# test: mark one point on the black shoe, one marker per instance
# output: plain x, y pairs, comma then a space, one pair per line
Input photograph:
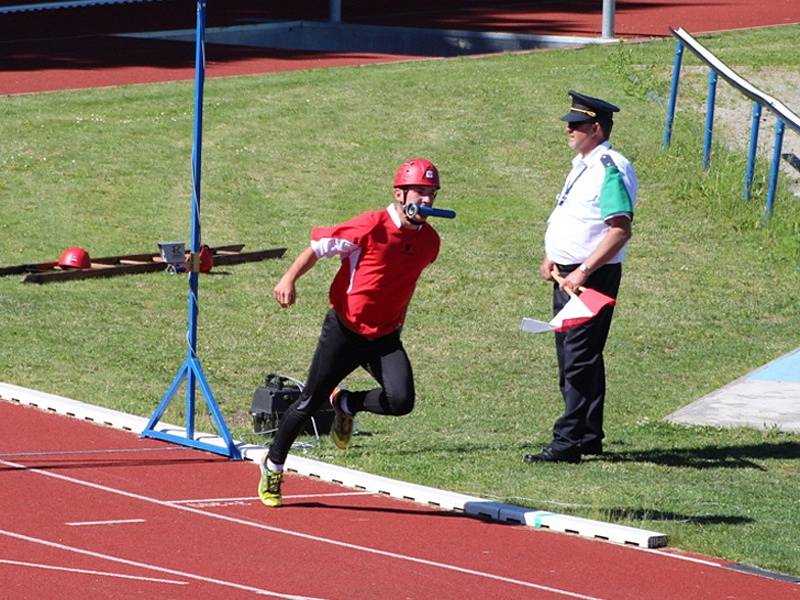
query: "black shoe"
595, 448
550, 455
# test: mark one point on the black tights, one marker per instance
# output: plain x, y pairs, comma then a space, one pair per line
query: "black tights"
339, 352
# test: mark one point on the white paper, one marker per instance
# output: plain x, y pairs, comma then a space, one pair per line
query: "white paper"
534, 326
574, 309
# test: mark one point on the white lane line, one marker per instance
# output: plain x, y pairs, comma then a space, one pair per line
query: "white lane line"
68, 452
134, 563
255, 498
298, 534
114, 522
20, 563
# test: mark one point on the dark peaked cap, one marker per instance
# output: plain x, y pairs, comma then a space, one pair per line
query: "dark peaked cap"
587, 109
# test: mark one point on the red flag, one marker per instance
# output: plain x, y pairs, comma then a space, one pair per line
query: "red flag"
593, 300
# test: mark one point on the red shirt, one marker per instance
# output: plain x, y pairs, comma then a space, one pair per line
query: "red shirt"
381, 263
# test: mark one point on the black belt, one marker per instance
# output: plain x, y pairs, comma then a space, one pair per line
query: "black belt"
567, 267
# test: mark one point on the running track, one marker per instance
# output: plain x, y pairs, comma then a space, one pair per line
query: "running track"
88, 511
61, 49
91, 512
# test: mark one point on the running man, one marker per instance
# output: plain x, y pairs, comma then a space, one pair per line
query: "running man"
383, 253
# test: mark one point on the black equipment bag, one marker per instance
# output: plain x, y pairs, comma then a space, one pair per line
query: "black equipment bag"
272, 400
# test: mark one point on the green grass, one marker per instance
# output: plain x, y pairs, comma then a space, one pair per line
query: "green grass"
709, 291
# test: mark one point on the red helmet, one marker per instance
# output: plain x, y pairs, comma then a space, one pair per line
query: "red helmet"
417, 171
75, 257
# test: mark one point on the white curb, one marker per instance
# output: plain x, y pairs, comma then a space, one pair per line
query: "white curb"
420, 494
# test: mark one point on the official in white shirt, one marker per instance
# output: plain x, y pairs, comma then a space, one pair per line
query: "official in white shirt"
585, 242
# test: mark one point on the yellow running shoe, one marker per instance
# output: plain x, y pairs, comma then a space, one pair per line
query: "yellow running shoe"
342, 429
269, 488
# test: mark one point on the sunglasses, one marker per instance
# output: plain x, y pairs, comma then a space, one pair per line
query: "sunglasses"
578, 124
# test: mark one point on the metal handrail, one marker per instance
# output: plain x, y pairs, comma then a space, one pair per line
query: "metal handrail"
737, 81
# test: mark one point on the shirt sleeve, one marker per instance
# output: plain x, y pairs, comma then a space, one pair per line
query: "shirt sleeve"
614, 197
343, 239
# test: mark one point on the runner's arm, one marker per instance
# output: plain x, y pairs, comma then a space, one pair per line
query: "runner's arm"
284, 291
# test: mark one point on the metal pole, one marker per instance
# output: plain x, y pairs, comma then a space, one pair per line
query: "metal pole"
191, 369
752, 149
673, 93
712, 94
609, 10
335, 15
773, 175
194, 279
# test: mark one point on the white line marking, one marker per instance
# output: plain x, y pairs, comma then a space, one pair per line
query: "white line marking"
350, 478
115, 522
66, 452
90, 572
134, 563
285, 497
683, 557
298, 534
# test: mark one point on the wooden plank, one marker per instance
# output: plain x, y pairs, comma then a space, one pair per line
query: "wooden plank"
109, 271
130, 267
27, 268
243, 257
156, 256
105, 260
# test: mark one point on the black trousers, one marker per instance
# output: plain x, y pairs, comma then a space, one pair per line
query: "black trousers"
581, 370
339, 352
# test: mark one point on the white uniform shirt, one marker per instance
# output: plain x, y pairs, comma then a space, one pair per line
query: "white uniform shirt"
600, 186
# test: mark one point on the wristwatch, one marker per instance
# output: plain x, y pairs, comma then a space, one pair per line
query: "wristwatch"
584, 268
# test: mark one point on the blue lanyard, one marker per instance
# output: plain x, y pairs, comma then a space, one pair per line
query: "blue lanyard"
562, 197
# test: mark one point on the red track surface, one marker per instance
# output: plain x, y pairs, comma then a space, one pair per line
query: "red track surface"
61, 49
92, 512
188, 524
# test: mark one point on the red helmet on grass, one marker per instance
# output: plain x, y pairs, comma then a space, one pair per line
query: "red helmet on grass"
417, 171
75, 257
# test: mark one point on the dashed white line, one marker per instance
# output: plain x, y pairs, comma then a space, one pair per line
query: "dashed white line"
114, 522
297, 534
134, 563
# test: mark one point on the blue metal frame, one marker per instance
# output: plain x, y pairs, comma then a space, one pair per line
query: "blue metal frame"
785, 117
673, 94
710, 104
191, 371
752, 150
776, 160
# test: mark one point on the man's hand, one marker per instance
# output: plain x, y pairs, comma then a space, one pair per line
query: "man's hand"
285, 293
546, 269
574, 280
571, 282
